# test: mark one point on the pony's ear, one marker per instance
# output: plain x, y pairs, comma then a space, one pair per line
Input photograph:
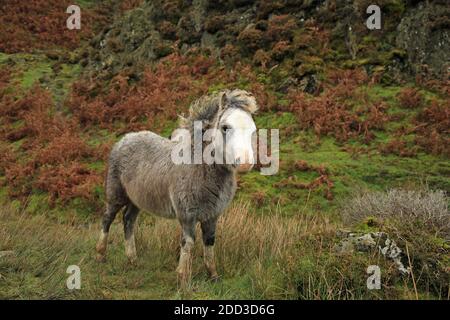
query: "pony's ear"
223, 100
211, 122
182, 121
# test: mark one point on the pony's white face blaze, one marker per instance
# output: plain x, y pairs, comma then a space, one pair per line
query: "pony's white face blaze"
238, 127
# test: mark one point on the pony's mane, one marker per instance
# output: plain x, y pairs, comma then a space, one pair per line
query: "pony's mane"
209, 106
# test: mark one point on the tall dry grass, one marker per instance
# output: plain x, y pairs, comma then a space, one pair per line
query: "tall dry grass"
38, 254
259, 253
244, 237
264, 248
258, 257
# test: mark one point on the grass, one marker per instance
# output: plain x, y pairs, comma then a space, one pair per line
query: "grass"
258, 257
362, 168
43, 249
274, 243
270, 257
31, 68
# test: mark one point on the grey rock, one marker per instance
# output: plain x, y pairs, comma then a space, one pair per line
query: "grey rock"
426, 43
359, 242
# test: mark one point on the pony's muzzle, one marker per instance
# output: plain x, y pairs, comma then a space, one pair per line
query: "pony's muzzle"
244, 167
243, 164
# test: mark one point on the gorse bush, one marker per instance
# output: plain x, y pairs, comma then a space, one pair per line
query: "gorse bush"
53, 147
410, 98
41, 24
172, 83
334, 113
428, 128
433, 128
323, 181
164, 91
398, 147
407, 207
38, 24
419, 222
70, 180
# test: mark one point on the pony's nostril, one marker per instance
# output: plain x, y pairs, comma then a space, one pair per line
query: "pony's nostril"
237, 161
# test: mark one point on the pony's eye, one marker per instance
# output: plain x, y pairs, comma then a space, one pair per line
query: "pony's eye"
225, 127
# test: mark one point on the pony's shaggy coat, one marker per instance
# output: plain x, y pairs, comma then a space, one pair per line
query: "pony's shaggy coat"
142, 176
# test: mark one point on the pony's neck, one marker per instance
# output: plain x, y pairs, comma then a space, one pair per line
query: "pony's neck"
221, 170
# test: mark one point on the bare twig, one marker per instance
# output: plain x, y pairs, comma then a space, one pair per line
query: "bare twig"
412, 272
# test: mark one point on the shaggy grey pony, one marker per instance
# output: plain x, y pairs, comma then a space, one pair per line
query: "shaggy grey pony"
142, 176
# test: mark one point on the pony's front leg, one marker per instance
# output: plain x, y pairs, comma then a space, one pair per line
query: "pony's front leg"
209, 237
129, 219
187, 245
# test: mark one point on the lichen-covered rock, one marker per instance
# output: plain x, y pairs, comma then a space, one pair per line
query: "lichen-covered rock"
251, 38
359, 242
424, 33
309, 84
301, 39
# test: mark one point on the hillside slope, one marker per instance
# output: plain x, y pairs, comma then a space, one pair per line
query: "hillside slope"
359, 111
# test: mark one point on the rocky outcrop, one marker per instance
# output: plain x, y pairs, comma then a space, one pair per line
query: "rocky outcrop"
227, 28
424, 34
359, 242
297, 37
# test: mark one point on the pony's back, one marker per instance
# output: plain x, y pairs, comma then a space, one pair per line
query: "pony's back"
141, 163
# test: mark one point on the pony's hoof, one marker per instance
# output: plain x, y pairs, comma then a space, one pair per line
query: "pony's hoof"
181, 276
214, 278
132, 260
183, 279
100, 258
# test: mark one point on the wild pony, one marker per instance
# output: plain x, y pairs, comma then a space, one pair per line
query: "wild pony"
143, 176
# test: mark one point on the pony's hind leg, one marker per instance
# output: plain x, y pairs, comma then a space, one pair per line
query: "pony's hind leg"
108, 218
209, 237
129, 219
187, 245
